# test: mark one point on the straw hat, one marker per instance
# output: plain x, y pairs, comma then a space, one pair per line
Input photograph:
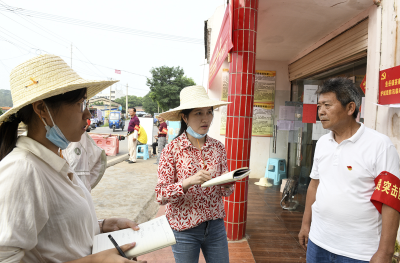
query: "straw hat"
191, 98
263, 182
45, 76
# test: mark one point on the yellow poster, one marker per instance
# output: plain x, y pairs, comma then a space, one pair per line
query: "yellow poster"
225, 84
222, 128
264, 86
263, 122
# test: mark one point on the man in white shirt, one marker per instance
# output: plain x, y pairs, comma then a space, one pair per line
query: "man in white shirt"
352, 205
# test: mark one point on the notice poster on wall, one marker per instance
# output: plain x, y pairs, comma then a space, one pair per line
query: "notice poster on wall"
310, 96
263, 123
318, 131
225, 84
264, 86
222, 129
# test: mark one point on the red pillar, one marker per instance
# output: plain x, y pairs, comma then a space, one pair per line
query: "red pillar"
240, 112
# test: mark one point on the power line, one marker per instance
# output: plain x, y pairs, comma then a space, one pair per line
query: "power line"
106, 27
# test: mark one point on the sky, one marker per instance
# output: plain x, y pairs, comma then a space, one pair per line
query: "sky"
97, 53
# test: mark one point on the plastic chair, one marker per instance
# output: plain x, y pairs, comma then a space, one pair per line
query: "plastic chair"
276, 170
144, 153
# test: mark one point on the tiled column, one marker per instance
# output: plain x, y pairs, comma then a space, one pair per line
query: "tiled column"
240, 112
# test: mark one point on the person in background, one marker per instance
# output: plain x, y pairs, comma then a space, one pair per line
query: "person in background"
162, 137
88, 160
142, 136
155, 144
195, 214
46, 212
133, 130
353, 202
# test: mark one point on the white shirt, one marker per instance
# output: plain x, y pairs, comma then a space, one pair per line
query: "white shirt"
44, 216
344, 221
88, 160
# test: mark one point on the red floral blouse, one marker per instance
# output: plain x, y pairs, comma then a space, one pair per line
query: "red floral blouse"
180, 160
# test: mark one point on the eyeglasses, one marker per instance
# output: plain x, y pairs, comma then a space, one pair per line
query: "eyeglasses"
84, 105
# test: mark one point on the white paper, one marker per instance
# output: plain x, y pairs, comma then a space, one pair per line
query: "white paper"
309, 94
362, 107
284, 125
388, 105
318, 131
287, 112
298, 124
153, 235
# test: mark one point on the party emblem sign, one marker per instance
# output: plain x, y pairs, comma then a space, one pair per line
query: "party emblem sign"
389, 86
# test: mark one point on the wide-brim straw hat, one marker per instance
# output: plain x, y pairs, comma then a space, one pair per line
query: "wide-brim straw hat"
191, 98
45, 76
263, 182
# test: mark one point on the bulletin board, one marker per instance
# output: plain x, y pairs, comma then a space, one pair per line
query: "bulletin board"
147, 124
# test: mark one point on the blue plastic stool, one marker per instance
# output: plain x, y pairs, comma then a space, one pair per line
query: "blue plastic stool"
144, 151
276, 170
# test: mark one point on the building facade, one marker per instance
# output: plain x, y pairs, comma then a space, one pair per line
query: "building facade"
282, 51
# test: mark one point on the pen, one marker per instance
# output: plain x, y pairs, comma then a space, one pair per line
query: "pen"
117, 247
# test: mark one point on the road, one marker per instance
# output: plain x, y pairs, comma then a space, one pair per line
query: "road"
123, 145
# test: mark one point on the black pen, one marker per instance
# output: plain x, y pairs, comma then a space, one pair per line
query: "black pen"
117, 247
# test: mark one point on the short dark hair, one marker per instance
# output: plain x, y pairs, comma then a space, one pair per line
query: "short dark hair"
345, 92
134, 109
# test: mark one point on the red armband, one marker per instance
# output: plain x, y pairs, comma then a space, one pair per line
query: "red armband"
386, 191
136, 128
165, 131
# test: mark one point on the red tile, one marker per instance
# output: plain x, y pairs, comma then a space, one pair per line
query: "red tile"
247, 18
253, 3
232, 83
252, 63
237, 212
246, 130
239, 62
235, 24
236, 105
241, 228
246, 149
239, 163
255, 21
238, 81
235, 232
230, 212
240, 18
242, 212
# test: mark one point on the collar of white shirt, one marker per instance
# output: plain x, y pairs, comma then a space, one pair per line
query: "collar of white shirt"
353, 138
40, 151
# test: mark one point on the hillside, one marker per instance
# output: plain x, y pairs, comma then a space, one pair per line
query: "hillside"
5, 98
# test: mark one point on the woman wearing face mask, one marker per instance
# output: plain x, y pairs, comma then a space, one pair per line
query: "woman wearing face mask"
46, 212
192, 158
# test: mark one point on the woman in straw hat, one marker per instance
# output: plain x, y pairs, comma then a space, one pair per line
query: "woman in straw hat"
46, 212
192, 158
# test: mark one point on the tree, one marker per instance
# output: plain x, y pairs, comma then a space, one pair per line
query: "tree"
5, 98
166, 84
133, 101
99, 103
149, 105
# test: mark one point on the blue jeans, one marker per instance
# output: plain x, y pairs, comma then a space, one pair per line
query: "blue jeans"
316, 254
210, 236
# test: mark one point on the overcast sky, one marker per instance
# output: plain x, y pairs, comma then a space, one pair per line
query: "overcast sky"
113, 50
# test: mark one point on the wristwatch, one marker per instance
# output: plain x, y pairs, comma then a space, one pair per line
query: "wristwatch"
101, 223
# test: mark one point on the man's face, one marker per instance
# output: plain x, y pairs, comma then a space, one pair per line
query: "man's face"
131, 113
331, 112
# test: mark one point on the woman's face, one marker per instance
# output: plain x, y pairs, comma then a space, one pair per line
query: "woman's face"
200, 119
71, 120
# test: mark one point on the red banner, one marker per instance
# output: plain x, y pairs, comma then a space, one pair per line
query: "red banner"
363, 84
222, 46
389, 86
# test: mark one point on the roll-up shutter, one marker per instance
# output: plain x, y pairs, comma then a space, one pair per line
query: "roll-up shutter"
346, 47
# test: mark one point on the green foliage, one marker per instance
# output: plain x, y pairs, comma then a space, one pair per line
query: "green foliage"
149, 105
99, 103
396, 247
133, 101
1, 111
166, 84
5, 98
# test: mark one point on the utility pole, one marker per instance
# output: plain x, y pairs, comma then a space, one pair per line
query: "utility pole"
71, 54
109, 112
126, 107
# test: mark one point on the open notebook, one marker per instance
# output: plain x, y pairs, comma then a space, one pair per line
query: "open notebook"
228, 177
153, 235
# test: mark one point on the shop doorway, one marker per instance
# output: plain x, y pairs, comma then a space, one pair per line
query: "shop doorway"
303, 138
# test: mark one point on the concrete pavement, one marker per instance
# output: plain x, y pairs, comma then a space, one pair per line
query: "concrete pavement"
127, 190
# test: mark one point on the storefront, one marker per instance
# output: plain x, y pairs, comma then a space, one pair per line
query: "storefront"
298, 45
